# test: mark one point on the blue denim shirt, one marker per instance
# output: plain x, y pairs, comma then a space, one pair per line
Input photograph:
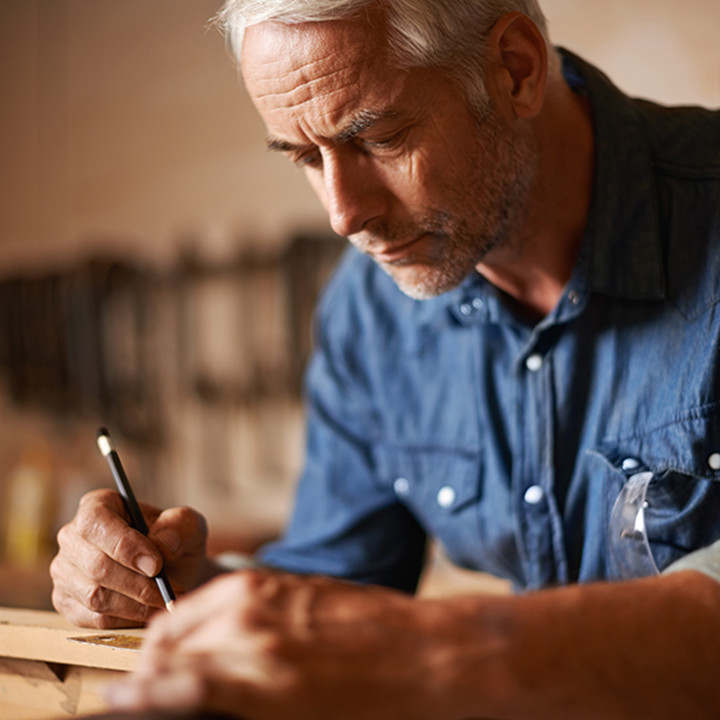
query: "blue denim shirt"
511, 442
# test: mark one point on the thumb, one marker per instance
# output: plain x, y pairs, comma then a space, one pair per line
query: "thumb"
177, 532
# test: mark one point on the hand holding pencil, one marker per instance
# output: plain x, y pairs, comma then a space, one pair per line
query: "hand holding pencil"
105, 569
137, 520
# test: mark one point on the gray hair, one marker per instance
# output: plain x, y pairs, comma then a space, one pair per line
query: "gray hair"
448, 34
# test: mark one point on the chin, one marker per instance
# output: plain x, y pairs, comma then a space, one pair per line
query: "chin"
424, 283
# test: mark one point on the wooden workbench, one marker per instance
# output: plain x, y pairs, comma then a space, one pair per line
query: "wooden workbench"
51, 669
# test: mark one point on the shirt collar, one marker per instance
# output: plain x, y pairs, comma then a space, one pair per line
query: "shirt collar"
621, 253
622, 233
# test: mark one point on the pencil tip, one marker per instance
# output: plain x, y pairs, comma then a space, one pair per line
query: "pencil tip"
103, 431
103, 442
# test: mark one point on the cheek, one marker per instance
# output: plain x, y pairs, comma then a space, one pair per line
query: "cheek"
412, 180
431, 180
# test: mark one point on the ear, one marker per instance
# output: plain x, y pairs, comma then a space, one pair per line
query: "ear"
517, 70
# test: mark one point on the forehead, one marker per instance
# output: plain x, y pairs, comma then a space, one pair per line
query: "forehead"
316, 75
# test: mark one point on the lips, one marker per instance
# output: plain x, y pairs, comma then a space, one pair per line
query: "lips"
394, 253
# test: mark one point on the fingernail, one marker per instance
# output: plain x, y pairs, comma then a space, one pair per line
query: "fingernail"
147, 565
170, 539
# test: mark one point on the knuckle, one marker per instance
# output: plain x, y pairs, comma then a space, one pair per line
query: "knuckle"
185, 513
273, 644
249, 617
242, 587
56, 568
96, 598
64, 536
71, 611
198, 520
95, 497
84, 524
192, 520
249, 582
97, 567
251, 614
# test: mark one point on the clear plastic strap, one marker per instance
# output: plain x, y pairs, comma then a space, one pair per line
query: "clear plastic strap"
629, 547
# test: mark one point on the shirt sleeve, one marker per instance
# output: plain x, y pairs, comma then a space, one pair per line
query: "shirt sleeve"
706, 560
346, 523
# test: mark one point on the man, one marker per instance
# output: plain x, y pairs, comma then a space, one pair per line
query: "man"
521, 362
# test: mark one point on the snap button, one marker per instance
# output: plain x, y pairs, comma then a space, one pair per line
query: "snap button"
714, 461
629, 464
573, 297
477, 303
466, 308
401, 486
446, 496
534, 362
534, 495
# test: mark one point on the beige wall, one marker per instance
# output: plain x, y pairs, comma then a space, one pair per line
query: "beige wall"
123, 122
666, 50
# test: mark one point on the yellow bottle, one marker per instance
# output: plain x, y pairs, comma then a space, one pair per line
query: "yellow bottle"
27, 505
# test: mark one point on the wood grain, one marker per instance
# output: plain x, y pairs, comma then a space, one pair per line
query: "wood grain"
41, 635
50, 669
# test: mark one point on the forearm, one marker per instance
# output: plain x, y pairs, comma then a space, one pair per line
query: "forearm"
647, 648
272, 645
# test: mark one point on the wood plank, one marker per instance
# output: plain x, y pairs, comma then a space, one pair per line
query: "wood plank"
46, 636
31, 691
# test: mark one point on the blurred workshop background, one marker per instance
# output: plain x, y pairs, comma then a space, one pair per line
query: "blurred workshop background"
158, 268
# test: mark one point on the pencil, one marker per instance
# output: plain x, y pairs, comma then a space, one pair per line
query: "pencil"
137, 520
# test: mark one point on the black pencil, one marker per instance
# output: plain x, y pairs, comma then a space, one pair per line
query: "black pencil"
137, 520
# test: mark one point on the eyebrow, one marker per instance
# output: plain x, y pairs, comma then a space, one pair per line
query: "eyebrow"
359, 124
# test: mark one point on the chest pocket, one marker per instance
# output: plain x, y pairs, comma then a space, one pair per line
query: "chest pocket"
662, 494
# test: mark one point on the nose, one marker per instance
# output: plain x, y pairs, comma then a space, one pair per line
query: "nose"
354, 196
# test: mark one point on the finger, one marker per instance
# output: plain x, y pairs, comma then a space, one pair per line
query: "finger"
81, 616
99, 600
139, 606
179, 690
192, 615
101, 522
102, 585
179, 532
195, 610
226, 683
81, 559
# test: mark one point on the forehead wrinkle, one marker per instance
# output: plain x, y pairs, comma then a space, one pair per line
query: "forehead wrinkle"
298, 109
307, 91
302, 75
304, 90
322, 90
360, 120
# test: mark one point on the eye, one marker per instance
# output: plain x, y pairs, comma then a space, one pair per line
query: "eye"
389, 142
308, 159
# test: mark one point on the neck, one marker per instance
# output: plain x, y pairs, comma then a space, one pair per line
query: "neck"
535, 265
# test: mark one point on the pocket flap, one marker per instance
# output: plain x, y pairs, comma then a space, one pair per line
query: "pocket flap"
690, 446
